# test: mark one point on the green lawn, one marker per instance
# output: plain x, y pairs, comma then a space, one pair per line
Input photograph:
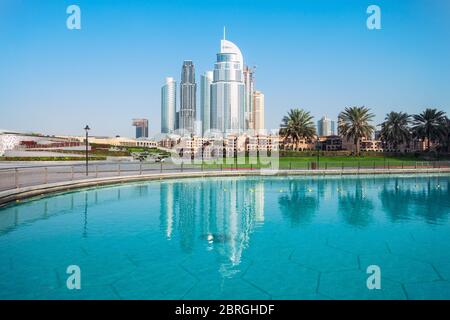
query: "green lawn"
325, 162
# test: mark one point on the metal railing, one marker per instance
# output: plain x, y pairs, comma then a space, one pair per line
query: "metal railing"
24, 176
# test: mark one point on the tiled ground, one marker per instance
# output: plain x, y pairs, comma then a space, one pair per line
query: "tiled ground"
335, 270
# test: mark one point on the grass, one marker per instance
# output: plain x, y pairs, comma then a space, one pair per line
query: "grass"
325, 162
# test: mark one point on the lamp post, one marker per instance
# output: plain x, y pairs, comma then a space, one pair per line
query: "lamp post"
318, 151
87, 146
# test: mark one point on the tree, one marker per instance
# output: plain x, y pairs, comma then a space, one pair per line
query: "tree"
297, 124
395, 129
429, 125
446, 137
354, 124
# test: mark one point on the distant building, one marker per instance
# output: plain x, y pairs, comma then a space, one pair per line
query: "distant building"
331, 143
122, 141
141, 128
303, 144
228, 90
188, 92
168, 105
365, 145
258, 104
205, 100
326, 127
249, 82
177, 120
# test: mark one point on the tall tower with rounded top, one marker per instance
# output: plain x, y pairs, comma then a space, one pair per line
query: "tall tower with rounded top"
228, 90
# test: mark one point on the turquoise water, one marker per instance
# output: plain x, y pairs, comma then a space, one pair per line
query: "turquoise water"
233, 238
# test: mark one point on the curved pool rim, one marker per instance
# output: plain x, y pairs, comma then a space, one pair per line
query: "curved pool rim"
43, 190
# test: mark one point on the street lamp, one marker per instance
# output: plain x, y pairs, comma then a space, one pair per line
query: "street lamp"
318, 151
87, 145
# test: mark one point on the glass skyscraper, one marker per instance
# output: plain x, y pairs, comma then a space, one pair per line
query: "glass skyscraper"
258, 114
141, 128
188, 91
325, 127
228, 90
205, 100
168, 105
249, 82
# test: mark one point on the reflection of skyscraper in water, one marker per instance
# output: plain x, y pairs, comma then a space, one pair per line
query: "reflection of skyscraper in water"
227, 212
166, 207
259, 201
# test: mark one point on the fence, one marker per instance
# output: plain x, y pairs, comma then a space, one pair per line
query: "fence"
24, 176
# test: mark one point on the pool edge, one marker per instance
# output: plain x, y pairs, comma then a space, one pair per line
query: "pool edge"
17, 194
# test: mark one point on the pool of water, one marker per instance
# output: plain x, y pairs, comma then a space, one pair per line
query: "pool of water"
233, 238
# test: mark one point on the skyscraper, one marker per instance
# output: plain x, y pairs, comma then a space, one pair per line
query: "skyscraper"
205, 100
258, 104
168, 105
325, 127
228, 90
141, 128
249, 83
188, 90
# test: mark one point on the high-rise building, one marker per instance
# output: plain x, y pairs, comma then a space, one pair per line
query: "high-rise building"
326, 127
168, 105
141, 128
177, 120
258, 105
188, 92
228, 90
205, 100
249, 82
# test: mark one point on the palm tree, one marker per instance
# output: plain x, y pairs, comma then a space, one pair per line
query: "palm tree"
296, 125
354, 124
395, 128
429, 125
446, 137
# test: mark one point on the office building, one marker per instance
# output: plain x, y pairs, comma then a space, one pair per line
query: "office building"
228, 90
326, 127
188, 92
168, 105
258, 111
249, 82
141, 128
205, 100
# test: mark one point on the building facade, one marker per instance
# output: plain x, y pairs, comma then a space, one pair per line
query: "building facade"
188, 93
168, 105
205, 100
258, 105
249, 82
228, 90
141, 128
326, 127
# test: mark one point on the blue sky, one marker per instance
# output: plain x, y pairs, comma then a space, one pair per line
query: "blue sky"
313, 54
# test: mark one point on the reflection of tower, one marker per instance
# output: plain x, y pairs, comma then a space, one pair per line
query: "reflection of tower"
166, 208
227, 210
185, 207
259, 201
85, 215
